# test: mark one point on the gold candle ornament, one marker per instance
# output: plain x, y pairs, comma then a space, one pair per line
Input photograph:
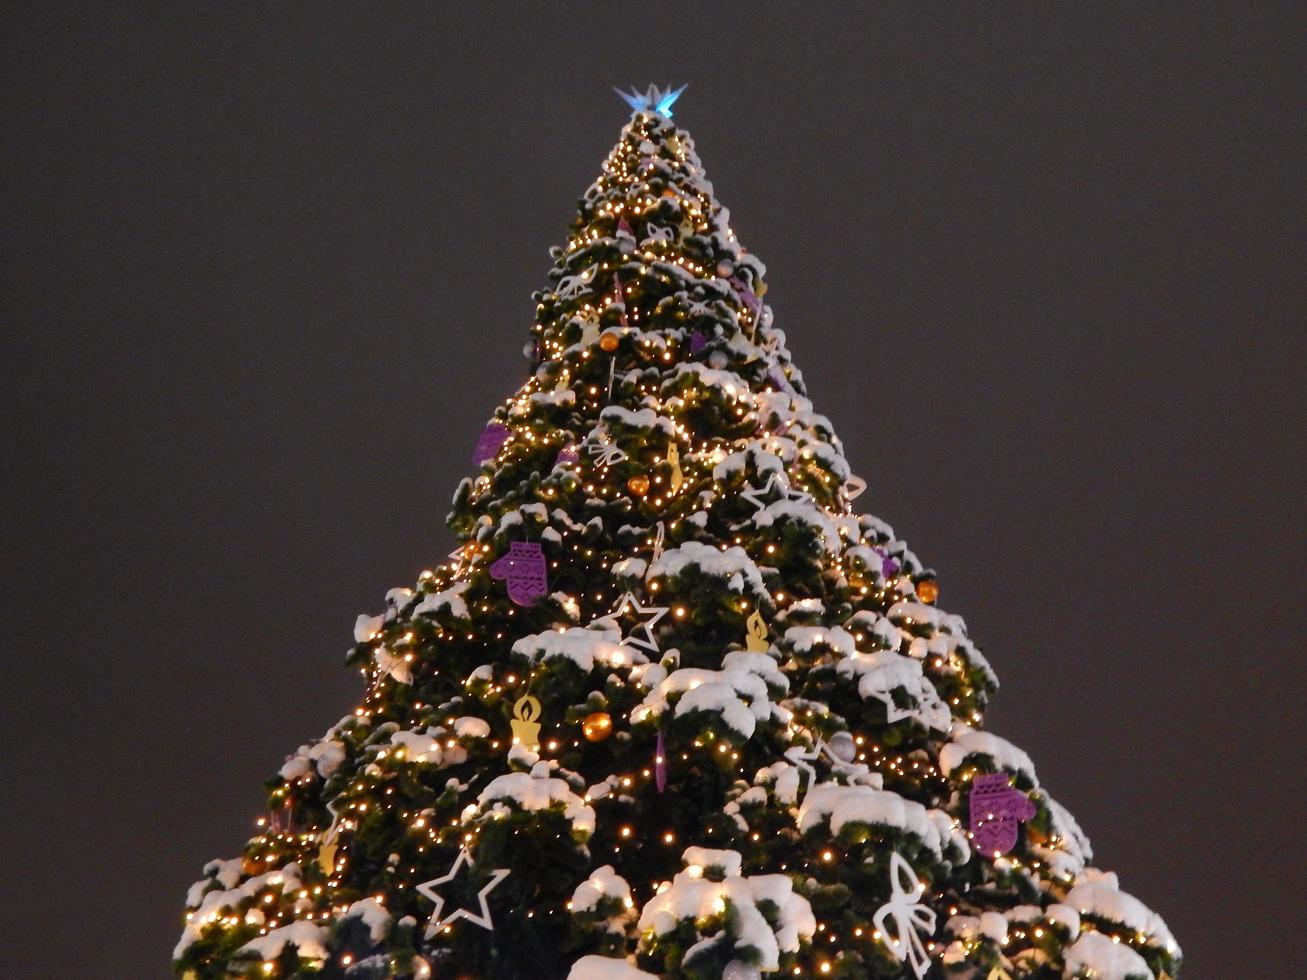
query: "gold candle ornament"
755, 640
526, 730
674, 459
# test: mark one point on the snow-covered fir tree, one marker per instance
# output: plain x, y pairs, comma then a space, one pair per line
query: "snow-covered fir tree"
674, 708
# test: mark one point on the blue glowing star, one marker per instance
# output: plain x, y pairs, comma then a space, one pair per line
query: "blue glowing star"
653, 99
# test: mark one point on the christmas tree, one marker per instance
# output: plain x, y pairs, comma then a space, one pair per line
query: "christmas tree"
673, 708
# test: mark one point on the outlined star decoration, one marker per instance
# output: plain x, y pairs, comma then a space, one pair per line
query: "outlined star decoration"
629, 605
428, 890
776, 483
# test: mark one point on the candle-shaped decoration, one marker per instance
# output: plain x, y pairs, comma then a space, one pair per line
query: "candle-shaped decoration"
526, 730
755, 640
327, 856
677, 479
660, 763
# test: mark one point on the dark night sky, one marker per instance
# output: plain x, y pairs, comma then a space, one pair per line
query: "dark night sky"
267, 269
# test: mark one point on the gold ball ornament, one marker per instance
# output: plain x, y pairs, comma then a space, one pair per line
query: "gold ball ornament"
597, 726
638, 484
608, 342
928, 591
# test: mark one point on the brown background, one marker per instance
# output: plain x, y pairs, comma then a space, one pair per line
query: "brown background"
267, 270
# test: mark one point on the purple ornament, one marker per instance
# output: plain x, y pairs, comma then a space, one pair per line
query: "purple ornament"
697, 342
777, 377
491, 440
660, 763
568, 454
888, 566
746, 295
996, 810
524, 568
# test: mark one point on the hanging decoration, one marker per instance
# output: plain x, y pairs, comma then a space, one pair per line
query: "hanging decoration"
621, 297
638, 484
677, 479
854, 773
462, 557
568, 454
746, 295
393, 665
697, 342
608, 341
659, 536
629, 606
524, 568
997, 808
909, 916
888, 566
526, 730
603, 450
597, 726
570, 287
928, 591
491, 440
842, 747
327, 856
854, 487
438, 919
755, 639
777, 483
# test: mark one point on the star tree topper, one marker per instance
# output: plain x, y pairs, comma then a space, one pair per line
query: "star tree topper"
654, 99
428, 890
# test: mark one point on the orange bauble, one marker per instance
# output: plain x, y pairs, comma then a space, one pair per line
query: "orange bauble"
608, 342
597, 726
928, 590
638, 484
